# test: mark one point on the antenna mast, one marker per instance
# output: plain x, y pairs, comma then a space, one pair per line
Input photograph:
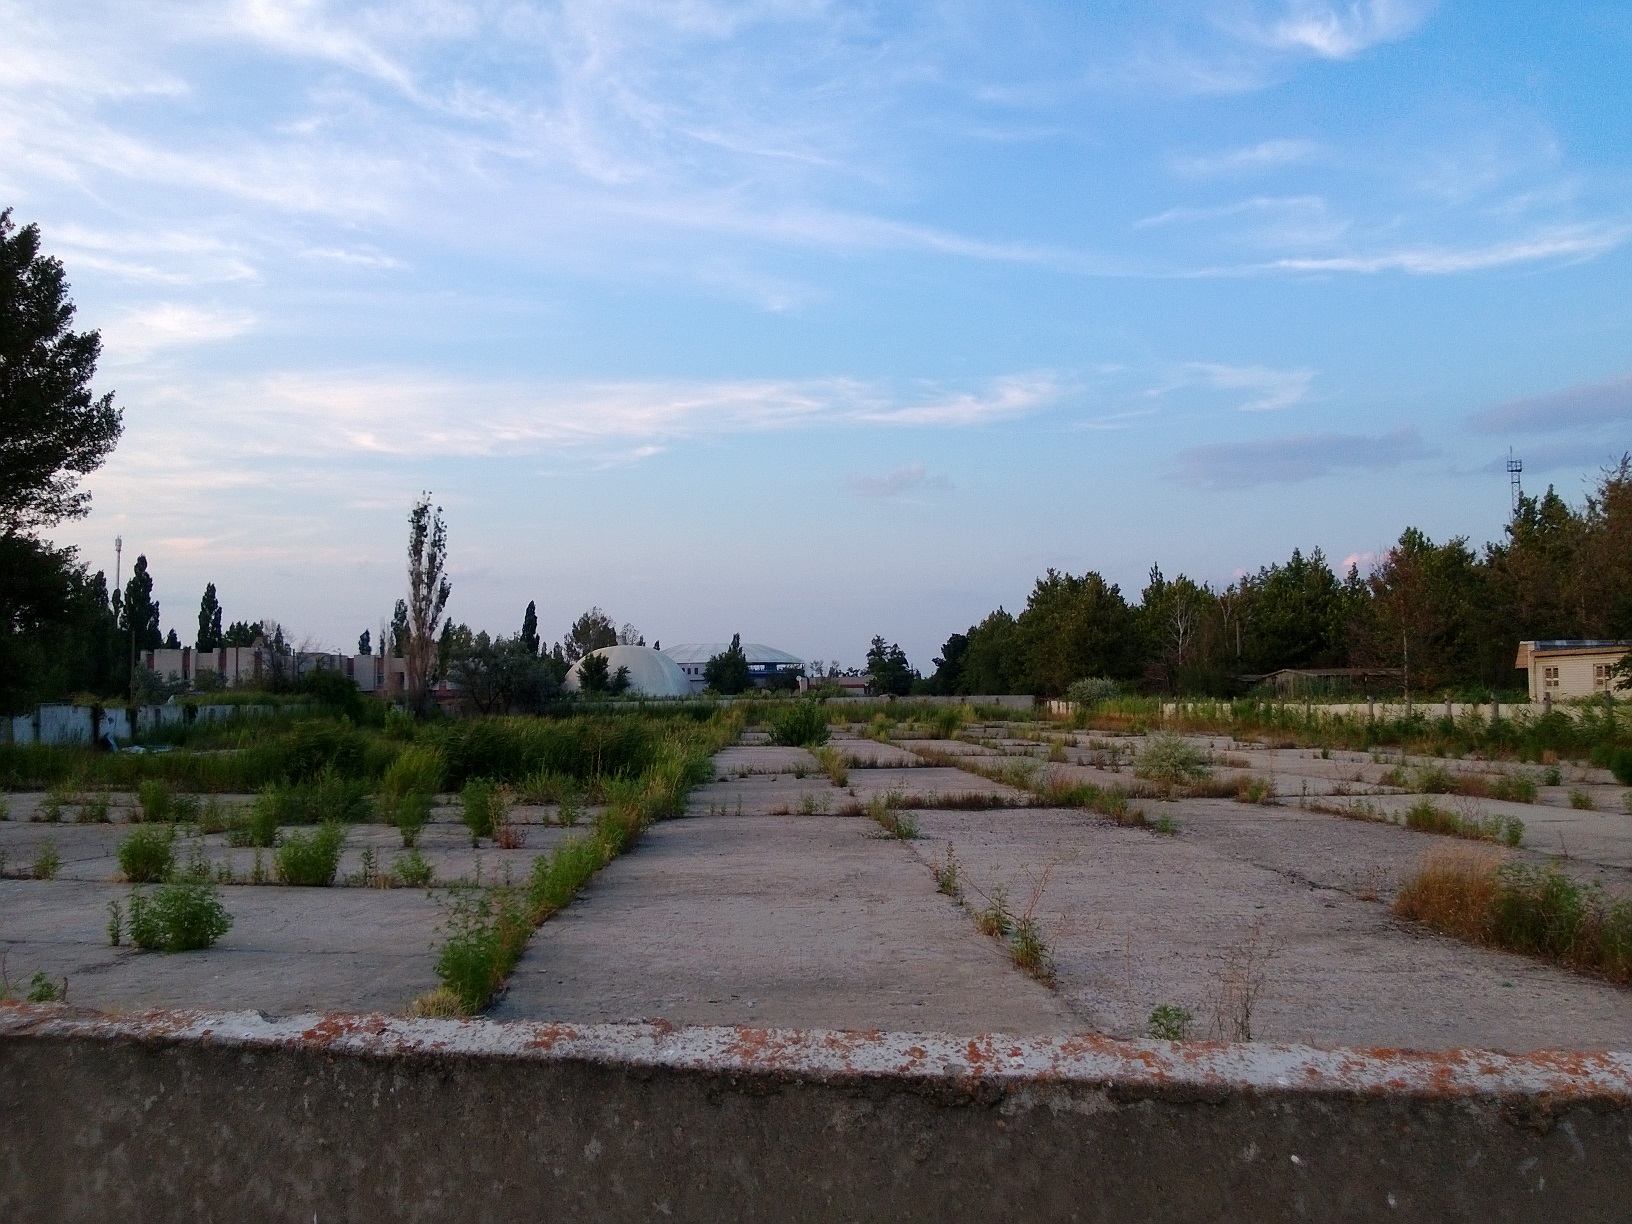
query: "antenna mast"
1514, 468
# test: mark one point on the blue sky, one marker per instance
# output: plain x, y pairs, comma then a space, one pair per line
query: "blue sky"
817, 320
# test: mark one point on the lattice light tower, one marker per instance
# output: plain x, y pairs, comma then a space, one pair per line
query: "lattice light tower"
1514, 468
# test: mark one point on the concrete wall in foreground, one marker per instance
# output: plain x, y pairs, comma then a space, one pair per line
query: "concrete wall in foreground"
367, 1118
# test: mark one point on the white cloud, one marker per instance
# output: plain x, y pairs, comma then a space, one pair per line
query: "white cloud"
138, 332
1261, 156
1560, 243
1270, 389
390, 415
1341, 29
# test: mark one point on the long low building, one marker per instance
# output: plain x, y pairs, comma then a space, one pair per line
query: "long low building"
765, 663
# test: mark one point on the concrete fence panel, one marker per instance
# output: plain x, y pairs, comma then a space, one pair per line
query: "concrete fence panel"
65, 724
234, 1116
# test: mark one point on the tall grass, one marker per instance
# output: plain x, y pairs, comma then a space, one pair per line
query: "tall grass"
1482, 898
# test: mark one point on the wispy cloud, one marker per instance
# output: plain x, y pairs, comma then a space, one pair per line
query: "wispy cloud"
1562, 243
1295, 458
1271, 389
894, 483
1585, 406
1261, 156
1343, 29
138, 332
392, 415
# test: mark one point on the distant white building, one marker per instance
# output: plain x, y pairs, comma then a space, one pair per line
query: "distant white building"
1563, 669
651, 674
765, 663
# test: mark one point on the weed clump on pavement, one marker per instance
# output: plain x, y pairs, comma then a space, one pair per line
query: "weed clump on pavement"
1167, 758
801, 724
483, 805
182, 917
147, 853
47, 862
1169, 1022
834, 764
1426, 818
311, 859
1541, 911
413, 870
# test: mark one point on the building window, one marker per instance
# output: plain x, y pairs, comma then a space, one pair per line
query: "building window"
1600, 675
1549, 677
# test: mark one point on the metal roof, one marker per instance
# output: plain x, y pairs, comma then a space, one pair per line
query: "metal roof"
757, 652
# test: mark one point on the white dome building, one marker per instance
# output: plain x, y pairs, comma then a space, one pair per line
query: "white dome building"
650, 674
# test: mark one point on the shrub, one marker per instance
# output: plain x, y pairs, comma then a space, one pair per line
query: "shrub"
311, 859
154, 796
486, 932
265, 815
1255, 790
42, 989
410, 813
1435, 780
1515, 788
1581, 800
147, 853
1091, 690
483, 805
1168, 758
1620, 764
332, 796
413, 870
95, 809
799, 725
419, 767
178, 918
1424, 817
946, 721
834, 765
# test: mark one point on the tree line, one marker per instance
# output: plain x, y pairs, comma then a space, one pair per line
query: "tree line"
1445, 616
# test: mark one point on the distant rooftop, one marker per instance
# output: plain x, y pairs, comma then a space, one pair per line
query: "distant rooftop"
758, 653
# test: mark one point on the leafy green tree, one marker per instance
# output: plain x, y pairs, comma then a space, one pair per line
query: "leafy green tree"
1076, 627
428, 593
992, 662
209, 620
949, 666
727, 672
242, 633
529, 628
58, 627
887, 665
591, 631
399, 629
53, 430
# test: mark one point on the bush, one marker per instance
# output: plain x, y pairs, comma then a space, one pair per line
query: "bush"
1169, 1022
1620, 764
311, 859
799, 725
147, 853
410, 814
179, 918
47, 862
483, 806
154, 795
1092, 690
1168, 758
419, 767
413, 870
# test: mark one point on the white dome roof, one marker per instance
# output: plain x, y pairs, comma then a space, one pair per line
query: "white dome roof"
650, 674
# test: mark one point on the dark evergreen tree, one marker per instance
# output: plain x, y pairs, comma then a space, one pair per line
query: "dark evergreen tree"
727, 672
529, 628
365, 643
209, 620
889, 669
141, 613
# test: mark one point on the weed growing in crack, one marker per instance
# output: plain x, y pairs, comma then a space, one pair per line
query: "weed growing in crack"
834, 764
413, 869
147, 853
178, 918
994, 918
42, 989
884, 812
1169, 1022
311, 859
116, 922
946, 874
47, 862
1582, 801
1238, 984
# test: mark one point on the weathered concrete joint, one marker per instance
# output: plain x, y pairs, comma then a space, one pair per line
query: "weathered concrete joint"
237, 1115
